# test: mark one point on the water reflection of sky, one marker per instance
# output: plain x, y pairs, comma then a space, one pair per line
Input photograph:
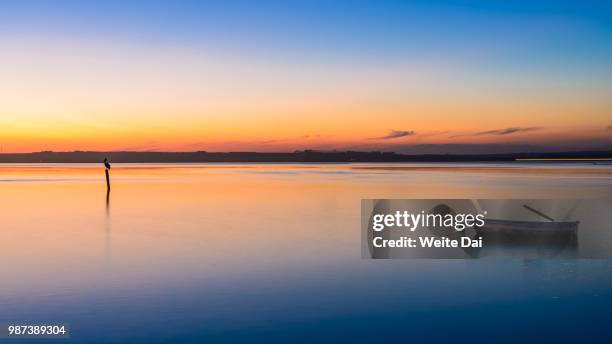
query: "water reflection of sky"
220, 254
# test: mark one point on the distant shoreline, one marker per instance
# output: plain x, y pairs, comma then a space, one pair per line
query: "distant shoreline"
307, 156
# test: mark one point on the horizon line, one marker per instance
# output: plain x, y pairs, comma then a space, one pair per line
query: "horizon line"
307, 151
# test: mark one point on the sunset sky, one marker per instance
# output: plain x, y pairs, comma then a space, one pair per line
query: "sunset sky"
287, 75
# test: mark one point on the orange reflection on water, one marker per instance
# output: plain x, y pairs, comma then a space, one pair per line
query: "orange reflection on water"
173, 222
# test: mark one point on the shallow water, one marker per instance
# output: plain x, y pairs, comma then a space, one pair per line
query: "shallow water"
271, 252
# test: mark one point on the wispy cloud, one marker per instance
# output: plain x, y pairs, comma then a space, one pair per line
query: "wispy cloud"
609, 128
149, 146
394, 134
310, 136
508, 131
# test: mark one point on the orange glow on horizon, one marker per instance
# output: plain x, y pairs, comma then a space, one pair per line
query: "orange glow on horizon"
74, 95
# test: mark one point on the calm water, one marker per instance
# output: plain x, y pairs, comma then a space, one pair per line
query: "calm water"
271, 253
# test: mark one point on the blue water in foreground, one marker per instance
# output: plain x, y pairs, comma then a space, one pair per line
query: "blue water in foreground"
270, 253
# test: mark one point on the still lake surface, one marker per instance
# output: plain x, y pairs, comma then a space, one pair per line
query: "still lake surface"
196, 253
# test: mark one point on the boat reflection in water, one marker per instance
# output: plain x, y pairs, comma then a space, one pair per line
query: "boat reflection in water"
529, 238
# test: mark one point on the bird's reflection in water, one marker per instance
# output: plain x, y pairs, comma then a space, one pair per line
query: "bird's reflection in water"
107, 226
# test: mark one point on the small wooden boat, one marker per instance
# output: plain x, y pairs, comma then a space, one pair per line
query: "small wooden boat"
550, 238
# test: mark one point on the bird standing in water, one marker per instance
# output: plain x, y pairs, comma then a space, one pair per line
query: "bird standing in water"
108, 166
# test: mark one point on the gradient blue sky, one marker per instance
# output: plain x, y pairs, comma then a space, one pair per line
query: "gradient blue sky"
538, 62
554, 31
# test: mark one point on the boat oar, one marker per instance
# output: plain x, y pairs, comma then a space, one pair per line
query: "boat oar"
538, 213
